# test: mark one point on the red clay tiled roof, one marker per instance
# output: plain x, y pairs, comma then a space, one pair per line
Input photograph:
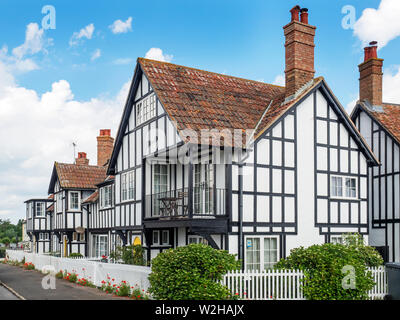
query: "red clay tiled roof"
79, 176
92, 198
197, 99
389, 118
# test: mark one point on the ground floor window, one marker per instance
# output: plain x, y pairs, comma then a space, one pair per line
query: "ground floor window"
337, 239
197, 239
100, 245
43, 236
261, 252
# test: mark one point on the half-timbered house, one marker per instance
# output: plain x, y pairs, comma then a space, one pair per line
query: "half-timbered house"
379, 123
38, 224
246, 166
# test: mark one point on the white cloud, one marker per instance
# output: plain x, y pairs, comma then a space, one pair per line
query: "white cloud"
391, 85
38, 129
382, 24
34, 41
279, 80
96, 54
86, 32
120, 26
122, 61
157, 54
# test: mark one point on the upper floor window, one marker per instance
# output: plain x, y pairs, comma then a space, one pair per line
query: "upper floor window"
74, 200
39, 209
127, 186
145, 109
106, 197
343, 187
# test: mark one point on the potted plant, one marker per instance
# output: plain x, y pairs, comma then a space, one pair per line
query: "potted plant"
104, 258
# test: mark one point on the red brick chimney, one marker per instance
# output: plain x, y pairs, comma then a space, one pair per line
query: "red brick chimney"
299, 51
371, 76
105, 145
82, 160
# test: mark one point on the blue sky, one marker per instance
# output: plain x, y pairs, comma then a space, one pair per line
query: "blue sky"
53, 93
241, 38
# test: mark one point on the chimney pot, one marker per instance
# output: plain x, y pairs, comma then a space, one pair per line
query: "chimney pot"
304, 15
105, 145
295, 13
371, 75
82, 160
299, 52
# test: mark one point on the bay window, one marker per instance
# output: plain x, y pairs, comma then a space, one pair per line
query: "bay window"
39, 209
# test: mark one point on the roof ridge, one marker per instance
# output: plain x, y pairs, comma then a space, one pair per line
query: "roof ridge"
211, 72
80, 165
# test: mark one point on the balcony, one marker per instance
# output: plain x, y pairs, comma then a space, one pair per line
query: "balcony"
175, 204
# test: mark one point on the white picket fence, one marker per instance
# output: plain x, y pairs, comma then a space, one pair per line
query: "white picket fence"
94, 271
285, 284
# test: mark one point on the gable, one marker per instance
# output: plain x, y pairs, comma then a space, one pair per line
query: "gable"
136, 139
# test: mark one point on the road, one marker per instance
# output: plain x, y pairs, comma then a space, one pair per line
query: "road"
28, 284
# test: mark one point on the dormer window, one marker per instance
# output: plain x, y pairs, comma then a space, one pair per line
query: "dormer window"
145, 109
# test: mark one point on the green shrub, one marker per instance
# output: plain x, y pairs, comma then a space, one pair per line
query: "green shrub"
322, 266
60, 274
191, 273
138, 294
75, 255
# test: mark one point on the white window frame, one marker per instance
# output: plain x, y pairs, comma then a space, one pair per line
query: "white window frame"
344, 187
158, 237
163, 232
262, 238
106, 197
70, 202
128, 186
146, 109
196, 239
98, 239
41, 205
337, 239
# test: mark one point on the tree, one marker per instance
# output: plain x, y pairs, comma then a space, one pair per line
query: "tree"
6, 241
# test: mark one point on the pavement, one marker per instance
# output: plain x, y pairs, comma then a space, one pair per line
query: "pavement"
27, 284
6, 295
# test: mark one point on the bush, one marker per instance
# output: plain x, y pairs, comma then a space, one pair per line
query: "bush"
138, 294
322, 267
75, 255
60, 274
132, 254
191, 273
71, 277
2, 253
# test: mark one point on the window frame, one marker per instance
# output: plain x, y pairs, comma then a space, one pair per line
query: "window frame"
261, 250
106, 197
146, 109
344, 188
162, 237
128, 186
43, 213
70, 208
158, 237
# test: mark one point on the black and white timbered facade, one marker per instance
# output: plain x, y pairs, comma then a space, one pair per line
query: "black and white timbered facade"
39, 224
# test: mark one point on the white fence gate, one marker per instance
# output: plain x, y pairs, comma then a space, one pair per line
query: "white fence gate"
285, 284
94, 271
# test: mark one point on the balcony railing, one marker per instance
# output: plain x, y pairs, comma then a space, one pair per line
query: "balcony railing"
175, 203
